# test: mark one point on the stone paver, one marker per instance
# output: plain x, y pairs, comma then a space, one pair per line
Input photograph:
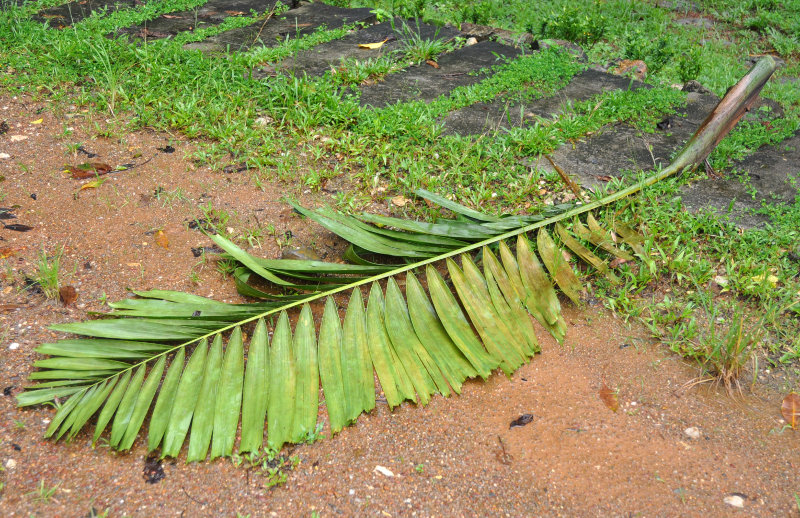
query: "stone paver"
321, 58
770, 175
73, 12
425, 82
209, 14
295, 23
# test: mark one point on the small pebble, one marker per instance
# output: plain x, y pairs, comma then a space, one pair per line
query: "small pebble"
470, 42
692, 432
11, 464
734, 500
13, 346
4, 156
384, 471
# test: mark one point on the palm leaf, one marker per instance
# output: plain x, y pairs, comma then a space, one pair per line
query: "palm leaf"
419, 343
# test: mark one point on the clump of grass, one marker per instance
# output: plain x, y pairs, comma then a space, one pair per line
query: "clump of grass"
47, 273
417, 49
724, 354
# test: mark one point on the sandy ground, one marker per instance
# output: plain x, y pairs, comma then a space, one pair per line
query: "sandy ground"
456, 457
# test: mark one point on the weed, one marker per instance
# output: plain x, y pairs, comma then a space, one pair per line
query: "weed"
275, 468
574, 23
170, 198
46, 276
226, 266
19, 425
416, 49
656, 52
44, 494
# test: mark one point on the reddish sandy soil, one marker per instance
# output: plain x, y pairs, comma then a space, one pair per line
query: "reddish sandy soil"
456, 457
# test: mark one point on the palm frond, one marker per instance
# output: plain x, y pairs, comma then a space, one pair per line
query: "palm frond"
461, 322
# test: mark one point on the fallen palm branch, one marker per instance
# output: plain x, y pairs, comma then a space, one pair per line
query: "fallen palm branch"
428, 341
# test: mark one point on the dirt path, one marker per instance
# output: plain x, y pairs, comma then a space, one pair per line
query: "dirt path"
456, 457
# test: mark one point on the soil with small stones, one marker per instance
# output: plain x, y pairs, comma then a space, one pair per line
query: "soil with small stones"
539, 443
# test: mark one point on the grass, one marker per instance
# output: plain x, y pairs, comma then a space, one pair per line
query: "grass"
216, 99
44, 494
47, 272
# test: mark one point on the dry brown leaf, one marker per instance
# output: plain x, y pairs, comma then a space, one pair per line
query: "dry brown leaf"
8, 251
161, 239
615, 263
235, 13
94, 184
400, 201
88, 170
372, 46
609, 397
171, 17
790, 409
68, 295
37, 121
432, 63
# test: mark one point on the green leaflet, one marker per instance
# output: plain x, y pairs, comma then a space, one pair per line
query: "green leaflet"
111, 406
282, 385
357, 378
255, 397
166, 398
125, 410
142, 404
185, 400
558, 267
585, 254
229, 397
494, 333
418, 364
434, 338
203, 420
391, 374
307, 368
540, 297
457, 326
330, 366
518, 318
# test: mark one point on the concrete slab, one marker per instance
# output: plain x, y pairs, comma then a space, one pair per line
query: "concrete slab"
295, 23
483, 118
316, 61
5, 4
619, 149
424, 82
209, 14
770, 175
71, 13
